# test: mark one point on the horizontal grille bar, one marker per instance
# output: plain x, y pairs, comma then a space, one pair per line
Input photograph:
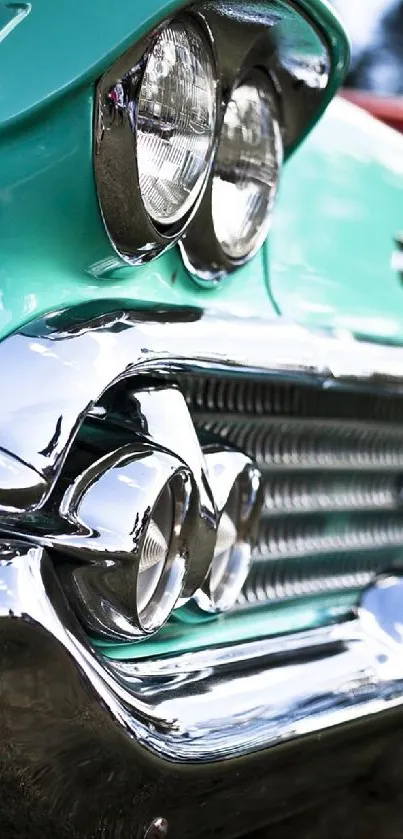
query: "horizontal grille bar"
308, 493
316, 535
276, 398
289, 579
310, 444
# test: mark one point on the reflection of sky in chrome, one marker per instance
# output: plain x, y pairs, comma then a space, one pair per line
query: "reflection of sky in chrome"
375, 28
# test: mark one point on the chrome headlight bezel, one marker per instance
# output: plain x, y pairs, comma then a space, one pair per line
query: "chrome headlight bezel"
134, 234
202, 252
279, 42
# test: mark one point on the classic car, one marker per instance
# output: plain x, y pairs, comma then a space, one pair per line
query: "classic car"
201, 440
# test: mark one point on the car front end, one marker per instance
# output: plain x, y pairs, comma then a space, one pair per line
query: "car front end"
201, 370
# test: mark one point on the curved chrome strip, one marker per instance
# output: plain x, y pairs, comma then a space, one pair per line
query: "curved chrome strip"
201, 707
53, 371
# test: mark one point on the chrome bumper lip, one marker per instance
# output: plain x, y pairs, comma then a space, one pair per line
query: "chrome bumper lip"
198, 708
54, 370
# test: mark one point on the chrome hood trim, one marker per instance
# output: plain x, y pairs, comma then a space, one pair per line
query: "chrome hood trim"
54, 370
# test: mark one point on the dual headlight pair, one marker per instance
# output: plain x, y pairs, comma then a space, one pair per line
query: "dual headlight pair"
163, 133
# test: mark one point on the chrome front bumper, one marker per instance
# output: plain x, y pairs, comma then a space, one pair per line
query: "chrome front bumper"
103, 746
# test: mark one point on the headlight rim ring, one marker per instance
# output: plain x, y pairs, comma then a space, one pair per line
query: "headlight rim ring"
133, 234
203, 256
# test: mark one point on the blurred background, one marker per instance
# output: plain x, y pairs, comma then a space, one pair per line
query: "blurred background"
375, 81
376, 32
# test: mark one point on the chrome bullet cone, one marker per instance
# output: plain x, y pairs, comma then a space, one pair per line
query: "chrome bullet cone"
155, 547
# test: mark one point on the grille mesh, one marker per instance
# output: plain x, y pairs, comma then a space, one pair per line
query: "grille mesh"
331, 463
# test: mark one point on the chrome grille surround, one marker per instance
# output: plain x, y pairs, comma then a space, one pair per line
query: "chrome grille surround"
328, 440
56, 373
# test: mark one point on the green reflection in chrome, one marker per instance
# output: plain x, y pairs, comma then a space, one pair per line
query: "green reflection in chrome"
248, 625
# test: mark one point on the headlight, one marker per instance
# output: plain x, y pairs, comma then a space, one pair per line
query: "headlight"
155, 132
191, 126
125, 519
247, 168
235, 214
175, 122
237, 491
161, 567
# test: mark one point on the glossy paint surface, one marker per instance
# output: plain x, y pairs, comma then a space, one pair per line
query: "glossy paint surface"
90, 36
330, 250
54, 248
332, 242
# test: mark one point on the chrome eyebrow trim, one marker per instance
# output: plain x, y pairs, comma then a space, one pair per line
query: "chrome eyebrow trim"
54, 370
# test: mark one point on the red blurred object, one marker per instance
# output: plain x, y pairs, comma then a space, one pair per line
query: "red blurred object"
389, 109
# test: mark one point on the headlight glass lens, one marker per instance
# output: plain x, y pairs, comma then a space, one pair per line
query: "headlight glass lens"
247, 168
175, 122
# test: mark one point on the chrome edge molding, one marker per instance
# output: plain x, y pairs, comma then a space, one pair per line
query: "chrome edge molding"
113, 595
55, 369
190, 708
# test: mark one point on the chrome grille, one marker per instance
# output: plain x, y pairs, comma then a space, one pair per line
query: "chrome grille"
332, 463
313, 493
310, 444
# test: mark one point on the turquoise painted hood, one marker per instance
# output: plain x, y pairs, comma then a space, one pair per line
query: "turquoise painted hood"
333, 238
328, 259
53, 48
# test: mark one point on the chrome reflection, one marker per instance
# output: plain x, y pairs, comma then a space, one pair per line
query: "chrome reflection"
245, 177
164, 420
41, 365
58, 373
381, 616
187, 708
148, 154
129, 528
137, 521
155, 130
236, 484
159, 419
